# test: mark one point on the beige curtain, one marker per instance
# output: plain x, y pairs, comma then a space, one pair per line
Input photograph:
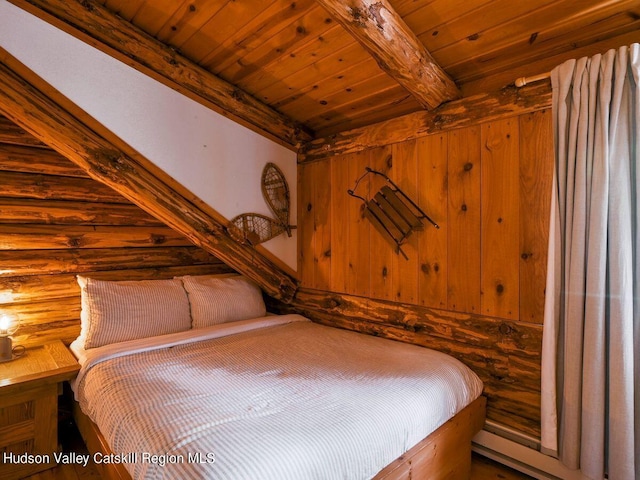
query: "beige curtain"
591, 341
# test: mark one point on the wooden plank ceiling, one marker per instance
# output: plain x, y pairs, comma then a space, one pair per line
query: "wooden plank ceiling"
295, 57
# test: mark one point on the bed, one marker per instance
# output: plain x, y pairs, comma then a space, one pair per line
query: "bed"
224, 394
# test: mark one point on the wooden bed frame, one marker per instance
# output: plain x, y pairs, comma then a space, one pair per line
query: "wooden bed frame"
445, 454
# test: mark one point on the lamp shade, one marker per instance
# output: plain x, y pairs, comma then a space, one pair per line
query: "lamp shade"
8, 324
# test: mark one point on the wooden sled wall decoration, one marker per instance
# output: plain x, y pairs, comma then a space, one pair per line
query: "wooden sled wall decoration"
254, 228
392, 212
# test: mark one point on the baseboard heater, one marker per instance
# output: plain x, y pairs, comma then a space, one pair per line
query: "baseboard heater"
520, 452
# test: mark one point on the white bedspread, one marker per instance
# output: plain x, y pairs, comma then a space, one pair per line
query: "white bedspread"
277, 398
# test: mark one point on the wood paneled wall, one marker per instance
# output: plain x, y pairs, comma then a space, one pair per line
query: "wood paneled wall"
470, 288
56, 222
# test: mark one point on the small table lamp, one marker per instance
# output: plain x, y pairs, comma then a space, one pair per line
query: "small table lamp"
8, 326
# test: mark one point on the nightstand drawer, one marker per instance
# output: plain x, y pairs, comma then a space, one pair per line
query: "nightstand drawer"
29, 388
28, 431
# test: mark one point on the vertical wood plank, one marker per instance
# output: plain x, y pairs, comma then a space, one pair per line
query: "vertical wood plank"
382, 248
464, 220
358, 253
500, 226
46, 419
405, 174
340, 201
306, 239
322, 224
432, 198
536, 174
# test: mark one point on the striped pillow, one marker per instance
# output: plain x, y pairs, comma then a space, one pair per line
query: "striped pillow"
221, 300
119, 311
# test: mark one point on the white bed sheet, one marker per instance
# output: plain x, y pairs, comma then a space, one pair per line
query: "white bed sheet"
270, 398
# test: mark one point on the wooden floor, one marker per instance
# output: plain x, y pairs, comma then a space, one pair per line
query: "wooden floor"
482, 468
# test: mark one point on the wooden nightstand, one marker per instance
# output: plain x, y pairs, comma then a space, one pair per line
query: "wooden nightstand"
29, 388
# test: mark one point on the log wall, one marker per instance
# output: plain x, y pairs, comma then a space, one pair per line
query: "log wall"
473, 288
56, 222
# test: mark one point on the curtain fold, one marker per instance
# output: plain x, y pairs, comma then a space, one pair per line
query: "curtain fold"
591, 339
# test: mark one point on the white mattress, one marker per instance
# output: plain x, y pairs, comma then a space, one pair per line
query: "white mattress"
270, 398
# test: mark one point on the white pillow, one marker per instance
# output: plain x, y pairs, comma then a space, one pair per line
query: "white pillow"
217, 300
119, 311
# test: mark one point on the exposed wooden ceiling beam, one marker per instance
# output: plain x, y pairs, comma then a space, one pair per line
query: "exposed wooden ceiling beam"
457, 114
92, 23
383, 33
27, 100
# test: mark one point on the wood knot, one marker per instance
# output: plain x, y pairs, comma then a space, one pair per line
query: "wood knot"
327, 253
426, 268
158, 239
363, 209
374, 11
468, 166
463, 207
389, 161
309, 207
384, 272
505, 329
74, 242
408, 327
88, 6
500, 288
526, 256
331, 303
358, 16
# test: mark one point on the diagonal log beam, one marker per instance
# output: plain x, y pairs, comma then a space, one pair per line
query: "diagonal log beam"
48, 117
92, 23
383, 33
